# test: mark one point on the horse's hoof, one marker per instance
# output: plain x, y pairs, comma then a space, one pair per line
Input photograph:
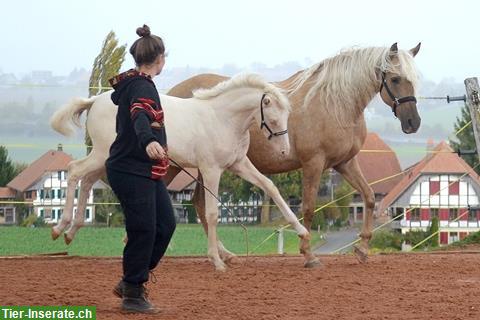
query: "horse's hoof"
54, 234
67, 239
221, 268
360, 253
229, 259
315, 263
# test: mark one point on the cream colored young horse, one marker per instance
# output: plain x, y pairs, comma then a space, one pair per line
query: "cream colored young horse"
327, 127
208, 131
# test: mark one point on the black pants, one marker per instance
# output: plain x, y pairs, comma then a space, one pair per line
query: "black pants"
149, 221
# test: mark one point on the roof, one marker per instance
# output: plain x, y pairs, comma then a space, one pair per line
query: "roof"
7, 193
376, 165
442, 160
182, 180
48, 162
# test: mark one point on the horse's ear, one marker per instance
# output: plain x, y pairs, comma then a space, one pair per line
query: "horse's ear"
415, 50
394, 48
266, 101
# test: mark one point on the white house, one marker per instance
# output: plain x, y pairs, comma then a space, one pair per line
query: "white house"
44, 183
443, 185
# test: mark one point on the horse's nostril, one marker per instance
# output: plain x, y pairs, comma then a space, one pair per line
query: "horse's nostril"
410, 123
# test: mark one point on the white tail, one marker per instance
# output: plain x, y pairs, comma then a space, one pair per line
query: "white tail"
63, 118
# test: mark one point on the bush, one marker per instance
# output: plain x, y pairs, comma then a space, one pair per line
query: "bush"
319, 221
416, 236
33, 221
386, 239
191, 213
472, 238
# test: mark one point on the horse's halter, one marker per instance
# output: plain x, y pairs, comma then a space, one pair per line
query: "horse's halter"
264, 124
396, 101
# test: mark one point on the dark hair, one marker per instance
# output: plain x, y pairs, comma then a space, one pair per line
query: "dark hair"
146, 49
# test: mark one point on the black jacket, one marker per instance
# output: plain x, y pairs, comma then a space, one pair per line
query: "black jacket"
139, 122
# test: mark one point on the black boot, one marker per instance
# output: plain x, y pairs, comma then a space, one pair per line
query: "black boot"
119, 288
135, 300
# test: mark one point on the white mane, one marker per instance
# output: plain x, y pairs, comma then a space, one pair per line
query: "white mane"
244, 81
351, 78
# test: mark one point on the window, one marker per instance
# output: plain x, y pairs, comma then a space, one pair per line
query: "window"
54, 214
87, 216
473, 214
47, 193
2, 212
453, 237
64, 193
42, 194
60, 211
9, 215
415, 214
42, 213
452, 214
433, 212
453, 188
52, 193
434, 187
59, 193
28, 195
76, 193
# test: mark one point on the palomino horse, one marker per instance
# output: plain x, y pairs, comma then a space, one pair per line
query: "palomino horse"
208, 131
327, 127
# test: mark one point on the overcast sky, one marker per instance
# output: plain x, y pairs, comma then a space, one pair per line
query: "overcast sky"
60, 35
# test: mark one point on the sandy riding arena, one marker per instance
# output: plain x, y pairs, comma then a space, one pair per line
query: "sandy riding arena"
401, 286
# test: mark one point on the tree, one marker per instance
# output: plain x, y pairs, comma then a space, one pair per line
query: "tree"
434, 226
465, 140
8, 168
106, 65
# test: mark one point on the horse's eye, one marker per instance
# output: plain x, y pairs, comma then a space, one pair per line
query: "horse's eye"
395, 80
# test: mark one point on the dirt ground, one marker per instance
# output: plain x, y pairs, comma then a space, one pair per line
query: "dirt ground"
399, 286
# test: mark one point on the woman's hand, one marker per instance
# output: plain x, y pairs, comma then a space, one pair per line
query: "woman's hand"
155, 151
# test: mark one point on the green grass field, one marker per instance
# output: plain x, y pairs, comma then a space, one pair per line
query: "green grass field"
187, 240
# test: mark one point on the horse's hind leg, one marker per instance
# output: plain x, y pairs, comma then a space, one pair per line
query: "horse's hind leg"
76, 170
199, 204
352, 173
86, 185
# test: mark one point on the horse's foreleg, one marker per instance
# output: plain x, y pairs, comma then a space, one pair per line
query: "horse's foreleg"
312, 173
199, 203
85, 187
352, 173
245, 169
211, 178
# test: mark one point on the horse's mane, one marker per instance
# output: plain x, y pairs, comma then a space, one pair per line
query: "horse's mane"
247, 80
349, 78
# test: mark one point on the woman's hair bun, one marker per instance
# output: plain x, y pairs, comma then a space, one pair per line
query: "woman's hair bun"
143, 31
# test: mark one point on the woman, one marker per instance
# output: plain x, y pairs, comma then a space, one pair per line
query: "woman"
137, 162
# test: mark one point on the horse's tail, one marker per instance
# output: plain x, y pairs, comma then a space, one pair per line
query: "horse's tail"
63, 118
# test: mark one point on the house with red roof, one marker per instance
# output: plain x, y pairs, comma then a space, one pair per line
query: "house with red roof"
7, 208
443, 185
43, 184
377, 161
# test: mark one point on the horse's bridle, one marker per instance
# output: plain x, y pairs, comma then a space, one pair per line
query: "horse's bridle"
264, 124
396, 101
